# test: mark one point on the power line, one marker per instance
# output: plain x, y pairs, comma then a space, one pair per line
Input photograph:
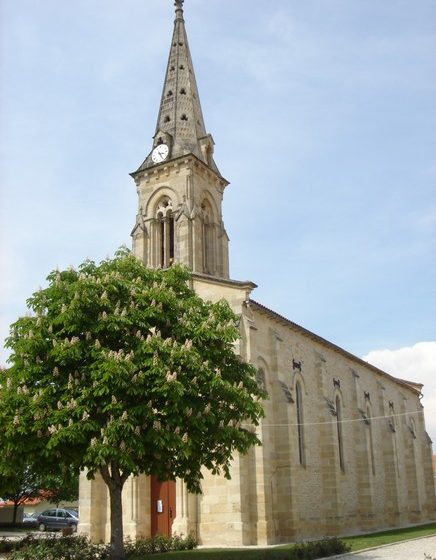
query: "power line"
370, 418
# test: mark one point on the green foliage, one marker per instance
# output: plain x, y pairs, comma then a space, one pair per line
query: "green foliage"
302, 551
54, 548
19, 483
6, 545
79, 548
318, 549
61, 487
124, 370
158, 544
123, 363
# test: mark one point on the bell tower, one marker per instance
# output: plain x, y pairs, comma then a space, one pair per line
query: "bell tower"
180, 188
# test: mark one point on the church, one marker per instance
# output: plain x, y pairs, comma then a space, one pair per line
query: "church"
344, 447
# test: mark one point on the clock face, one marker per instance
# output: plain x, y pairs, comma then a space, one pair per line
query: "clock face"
160, 153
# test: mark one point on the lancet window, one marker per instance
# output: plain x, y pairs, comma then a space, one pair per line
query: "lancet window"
393, 428
261, 380
370, 442
413, 428
300, 423
208, 238
339, 433
165, 233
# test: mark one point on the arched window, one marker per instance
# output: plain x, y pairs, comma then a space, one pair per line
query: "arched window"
165, 233
370, 442
413, 428
393, 428
339, 432
208, 238
260, 378
300, 423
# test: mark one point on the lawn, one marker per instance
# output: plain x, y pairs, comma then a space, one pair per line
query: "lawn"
387, 537
221, 554
356, 543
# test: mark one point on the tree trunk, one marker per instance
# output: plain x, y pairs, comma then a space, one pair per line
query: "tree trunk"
115, 482
117, 544
14, 514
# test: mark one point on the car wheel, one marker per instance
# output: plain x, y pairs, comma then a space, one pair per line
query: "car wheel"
41, 527
74, 528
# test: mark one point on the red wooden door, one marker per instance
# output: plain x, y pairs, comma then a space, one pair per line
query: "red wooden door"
163, 506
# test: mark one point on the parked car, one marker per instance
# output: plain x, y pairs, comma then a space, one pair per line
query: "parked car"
57, 518
31, 519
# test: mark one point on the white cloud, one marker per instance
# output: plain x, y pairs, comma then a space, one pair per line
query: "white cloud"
413, 363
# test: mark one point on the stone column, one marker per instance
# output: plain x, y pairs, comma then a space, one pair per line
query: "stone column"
136, 507
186, 520
429, 508
94, 508
282, 479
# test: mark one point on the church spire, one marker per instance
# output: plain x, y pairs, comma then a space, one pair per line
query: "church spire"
180, 190
180, 123
179, 8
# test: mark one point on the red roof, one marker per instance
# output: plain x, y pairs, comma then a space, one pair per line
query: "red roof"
27, 502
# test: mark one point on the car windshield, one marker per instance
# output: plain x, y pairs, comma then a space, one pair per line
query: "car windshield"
72, 513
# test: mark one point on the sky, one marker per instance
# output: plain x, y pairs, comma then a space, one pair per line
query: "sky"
323, 114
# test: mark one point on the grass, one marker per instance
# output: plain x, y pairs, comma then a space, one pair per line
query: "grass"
360, 542
210, 554
356, 543
219, 554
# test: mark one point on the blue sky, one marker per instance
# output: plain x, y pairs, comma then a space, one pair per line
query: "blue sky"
324, 118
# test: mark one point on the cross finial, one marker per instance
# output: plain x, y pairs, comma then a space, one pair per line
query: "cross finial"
179, 4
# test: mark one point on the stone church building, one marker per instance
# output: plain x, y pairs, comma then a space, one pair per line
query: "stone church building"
344, 447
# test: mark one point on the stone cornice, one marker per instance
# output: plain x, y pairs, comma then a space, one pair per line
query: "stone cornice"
174, 166
247, 284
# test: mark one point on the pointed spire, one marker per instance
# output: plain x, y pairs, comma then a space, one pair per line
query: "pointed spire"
180, 122
179, 7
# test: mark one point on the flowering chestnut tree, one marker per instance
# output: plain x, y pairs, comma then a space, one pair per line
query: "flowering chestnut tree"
121, 370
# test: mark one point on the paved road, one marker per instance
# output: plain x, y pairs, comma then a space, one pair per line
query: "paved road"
417, 549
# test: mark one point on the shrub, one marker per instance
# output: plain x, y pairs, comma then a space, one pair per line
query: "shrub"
79, 547
54, 548
318, 549
6, 545
187, 543
159, 543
